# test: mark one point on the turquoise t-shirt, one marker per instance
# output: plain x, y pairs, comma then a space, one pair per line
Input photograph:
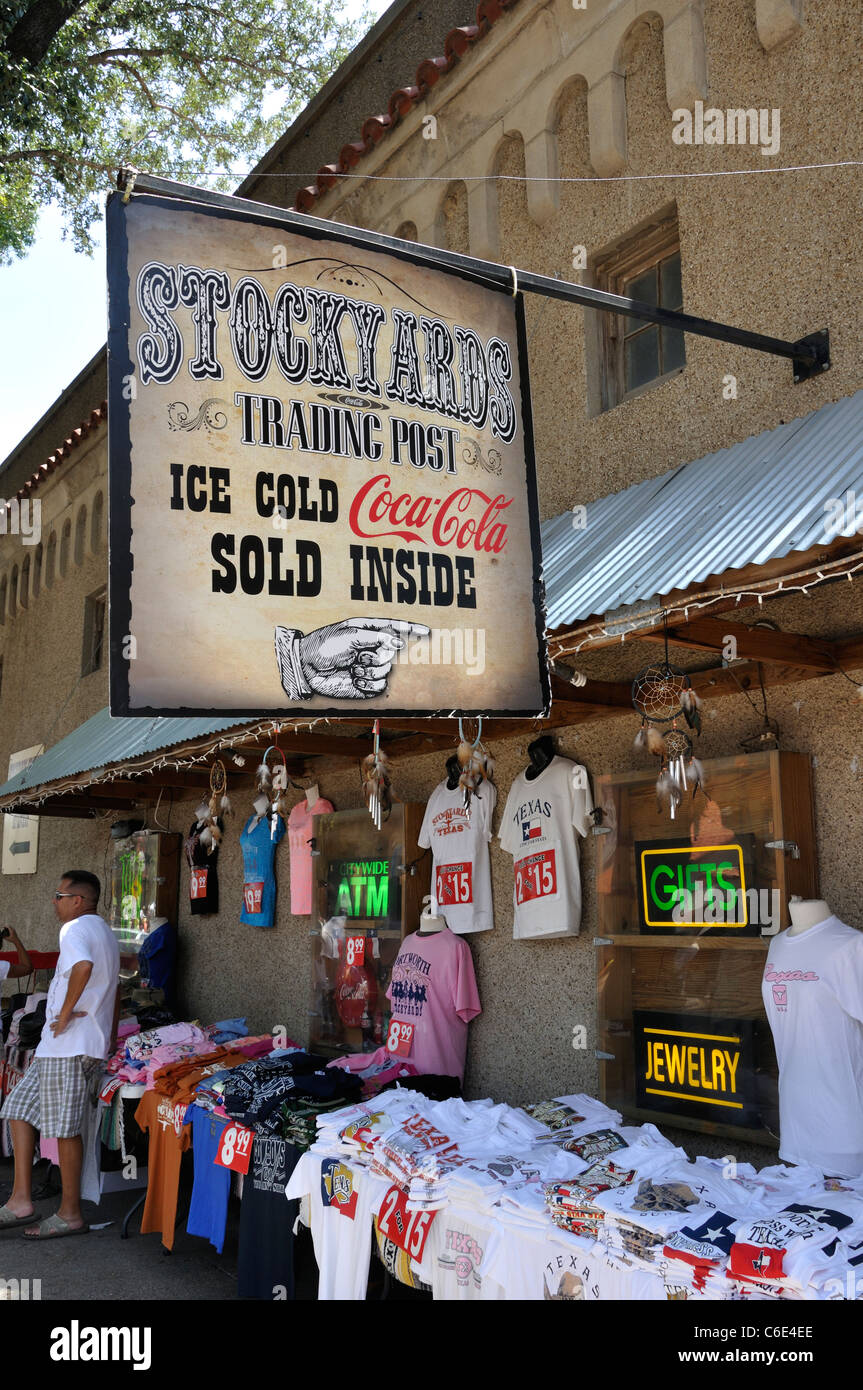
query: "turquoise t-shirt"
259, 878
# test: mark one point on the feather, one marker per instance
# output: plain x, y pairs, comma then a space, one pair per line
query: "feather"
640, 742
695, 775
465, 752
262, 774
215, 836
489, 766
655, 741
225, 805
206, 835
201, 813
687, 700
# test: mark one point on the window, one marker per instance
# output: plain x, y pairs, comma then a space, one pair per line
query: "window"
24, 589
80, 536
37, 571
51, 560
96, 523
94, 632
634, 353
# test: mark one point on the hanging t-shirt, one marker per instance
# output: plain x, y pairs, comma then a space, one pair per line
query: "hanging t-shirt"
299, 836
539, 826
265, 1264
203, 872
208, 1212
433, 987
341, 1202
258, 843
813, 995
170, 1137
458, 837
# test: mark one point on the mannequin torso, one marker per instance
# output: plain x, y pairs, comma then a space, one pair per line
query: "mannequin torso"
806, 914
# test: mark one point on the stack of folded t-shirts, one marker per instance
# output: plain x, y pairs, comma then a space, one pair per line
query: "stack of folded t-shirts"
571, 1203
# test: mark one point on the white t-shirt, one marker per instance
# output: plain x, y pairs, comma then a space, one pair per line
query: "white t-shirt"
458, 838
4, 969
813, 995
84, 938
539, 821
342, 1198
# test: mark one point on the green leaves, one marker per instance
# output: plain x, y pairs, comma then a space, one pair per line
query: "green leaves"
176, 89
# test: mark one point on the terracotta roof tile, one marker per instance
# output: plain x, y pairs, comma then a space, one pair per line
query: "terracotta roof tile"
78, 435
402, 101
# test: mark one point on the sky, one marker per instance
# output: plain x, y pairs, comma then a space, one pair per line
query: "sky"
53, 315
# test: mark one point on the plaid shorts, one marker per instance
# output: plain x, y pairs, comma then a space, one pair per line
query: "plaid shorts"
52, 1094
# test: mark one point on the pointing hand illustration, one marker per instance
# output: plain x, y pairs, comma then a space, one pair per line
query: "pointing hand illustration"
350, 660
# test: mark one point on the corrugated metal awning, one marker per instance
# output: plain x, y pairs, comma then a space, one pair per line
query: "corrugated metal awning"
756, 501
102, 742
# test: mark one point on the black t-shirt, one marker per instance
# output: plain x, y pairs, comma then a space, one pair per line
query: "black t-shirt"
265, 1265
203, 872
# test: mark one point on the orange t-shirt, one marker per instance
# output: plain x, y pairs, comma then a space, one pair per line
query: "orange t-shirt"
169, 1139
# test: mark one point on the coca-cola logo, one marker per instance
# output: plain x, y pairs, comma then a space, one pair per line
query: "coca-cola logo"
468, 517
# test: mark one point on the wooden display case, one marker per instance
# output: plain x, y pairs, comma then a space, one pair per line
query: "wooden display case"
376, 881
686, 911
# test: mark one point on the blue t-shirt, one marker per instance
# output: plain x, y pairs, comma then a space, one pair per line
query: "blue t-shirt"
208, 1212
259, 879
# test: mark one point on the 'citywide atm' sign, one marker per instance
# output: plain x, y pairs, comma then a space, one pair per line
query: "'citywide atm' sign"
694, 1065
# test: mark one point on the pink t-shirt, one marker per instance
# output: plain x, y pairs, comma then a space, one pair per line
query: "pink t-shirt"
433, 986
299, 834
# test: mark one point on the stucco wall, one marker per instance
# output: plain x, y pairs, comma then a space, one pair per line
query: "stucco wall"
768, 252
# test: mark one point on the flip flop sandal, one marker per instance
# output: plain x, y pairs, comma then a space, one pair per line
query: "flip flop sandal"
9, 1221
54, 1228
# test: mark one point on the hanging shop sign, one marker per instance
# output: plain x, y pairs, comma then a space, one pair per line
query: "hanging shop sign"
695, 1065
696, 887
322, 481
21, 833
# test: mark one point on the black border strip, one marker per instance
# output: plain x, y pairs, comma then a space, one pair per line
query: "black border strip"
120, 466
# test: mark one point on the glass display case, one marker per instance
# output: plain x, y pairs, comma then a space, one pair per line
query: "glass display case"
686, 911
144, 885
370, 886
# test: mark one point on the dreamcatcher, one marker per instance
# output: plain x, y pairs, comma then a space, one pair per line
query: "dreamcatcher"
273, 784
476, 763
219, 804
663, 694
375, 772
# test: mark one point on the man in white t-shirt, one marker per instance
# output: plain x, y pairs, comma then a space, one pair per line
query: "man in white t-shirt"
79, 1034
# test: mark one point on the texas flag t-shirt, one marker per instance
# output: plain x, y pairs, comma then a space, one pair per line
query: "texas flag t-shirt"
540, 822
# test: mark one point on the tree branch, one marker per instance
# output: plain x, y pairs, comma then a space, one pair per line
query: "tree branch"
36, 30
52, 155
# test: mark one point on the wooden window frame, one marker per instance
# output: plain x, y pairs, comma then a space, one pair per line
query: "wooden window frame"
636, 254
88, 644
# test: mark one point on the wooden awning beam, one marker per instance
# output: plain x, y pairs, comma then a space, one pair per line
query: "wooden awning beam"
755, 643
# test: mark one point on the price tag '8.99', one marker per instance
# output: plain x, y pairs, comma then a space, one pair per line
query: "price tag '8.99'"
400, 1038
355, 950
235, 1148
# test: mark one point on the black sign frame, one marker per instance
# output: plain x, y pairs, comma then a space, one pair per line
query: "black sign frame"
121, 372
705, 1034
